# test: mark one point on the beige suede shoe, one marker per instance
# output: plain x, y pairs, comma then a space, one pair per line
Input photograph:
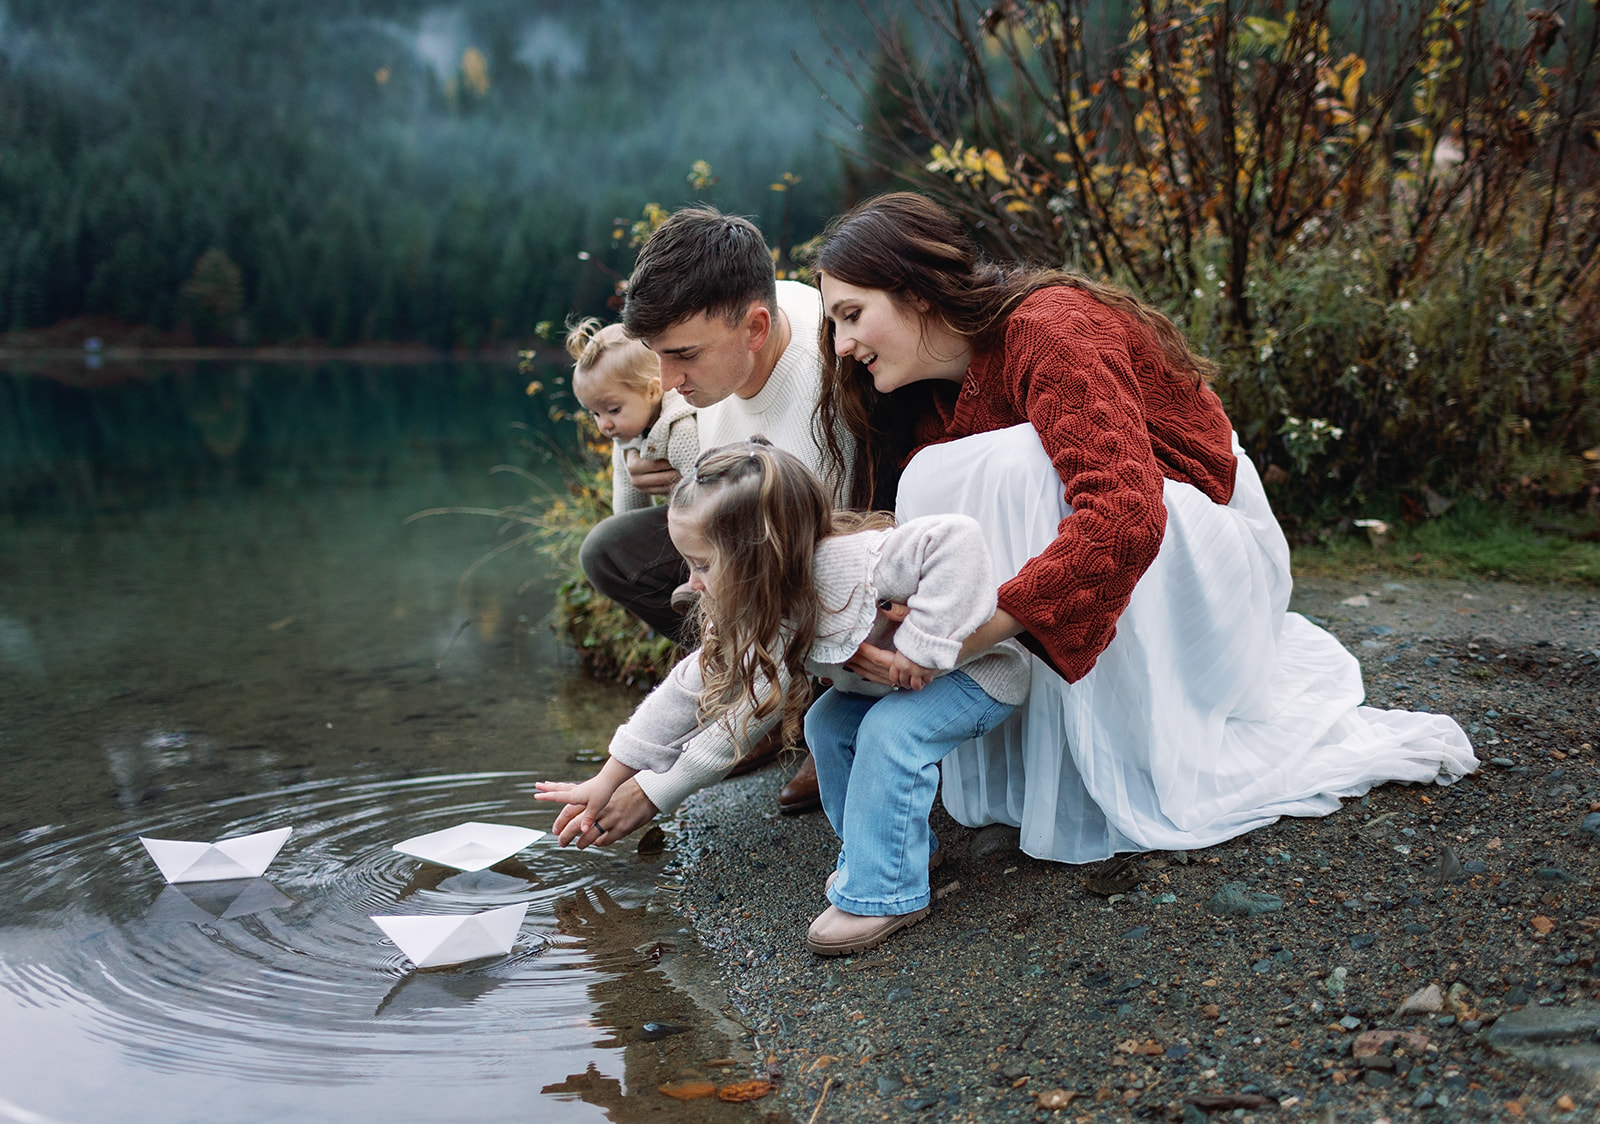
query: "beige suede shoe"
837, 933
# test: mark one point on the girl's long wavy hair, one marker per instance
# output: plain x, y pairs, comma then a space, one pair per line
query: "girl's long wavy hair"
913, 249
762, 512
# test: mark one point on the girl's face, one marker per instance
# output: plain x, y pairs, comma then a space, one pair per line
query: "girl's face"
896, 344
621, 413
683, 525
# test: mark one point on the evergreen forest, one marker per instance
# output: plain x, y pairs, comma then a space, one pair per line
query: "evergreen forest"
347, 171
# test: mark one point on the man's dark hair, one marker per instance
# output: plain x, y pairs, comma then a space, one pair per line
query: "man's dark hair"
699, 260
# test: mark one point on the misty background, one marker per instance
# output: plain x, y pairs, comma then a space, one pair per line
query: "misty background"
343, 171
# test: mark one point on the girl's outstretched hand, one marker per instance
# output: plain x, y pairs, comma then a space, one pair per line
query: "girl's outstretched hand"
583, 805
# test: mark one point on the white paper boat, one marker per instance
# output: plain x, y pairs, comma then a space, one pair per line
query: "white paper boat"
469, 846
431, 940
245, 856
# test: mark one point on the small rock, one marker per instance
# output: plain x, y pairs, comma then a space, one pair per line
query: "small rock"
1471, 1026
888, 1086
1235, 899
653, 841
1591, 824
1363, 940
652, 1032
1350, 1022
1177, 1052
1475, 867
1445, 1020
1334, 984
1378, 1079
1428, 1001
996, 839
1449, 867
1417, 929
1262, 966
922, 1103
1553, 874
897, 993
1503, 762
1424, 1100
1138, 932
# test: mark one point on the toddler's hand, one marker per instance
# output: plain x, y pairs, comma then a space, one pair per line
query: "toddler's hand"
907, 675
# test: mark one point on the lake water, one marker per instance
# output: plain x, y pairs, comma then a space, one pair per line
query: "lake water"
216, 618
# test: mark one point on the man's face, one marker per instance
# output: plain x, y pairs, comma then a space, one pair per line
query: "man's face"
705, 359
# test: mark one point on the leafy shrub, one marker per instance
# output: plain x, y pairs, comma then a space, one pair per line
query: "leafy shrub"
1378, 219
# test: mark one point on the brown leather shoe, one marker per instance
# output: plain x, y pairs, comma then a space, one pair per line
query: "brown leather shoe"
801, 793
762, 753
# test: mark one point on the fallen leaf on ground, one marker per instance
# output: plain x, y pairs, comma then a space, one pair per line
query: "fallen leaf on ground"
745, 1091
1373, 1042
689, 1090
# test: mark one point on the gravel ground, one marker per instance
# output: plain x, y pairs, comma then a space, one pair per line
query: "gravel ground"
1042, 991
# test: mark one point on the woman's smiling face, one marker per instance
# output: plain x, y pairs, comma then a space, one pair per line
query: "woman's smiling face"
895, 343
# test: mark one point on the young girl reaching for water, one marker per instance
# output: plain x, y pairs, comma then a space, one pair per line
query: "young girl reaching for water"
788, 586
618, 381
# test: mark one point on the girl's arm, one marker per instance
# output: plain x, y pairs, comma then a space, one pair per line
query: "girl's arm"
937, 568
584, 801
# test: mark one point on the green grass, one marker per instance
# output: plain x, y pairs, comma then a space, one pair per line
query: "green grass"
1473, 540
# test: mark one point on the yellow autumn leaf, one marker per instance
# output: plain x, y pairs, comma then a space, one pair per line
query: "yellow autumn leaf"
1352, 81
995, 166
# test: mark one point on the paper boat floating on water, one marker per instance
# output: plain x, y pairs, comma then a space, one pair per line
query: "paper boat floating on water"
432, 941
244, 856
469, 846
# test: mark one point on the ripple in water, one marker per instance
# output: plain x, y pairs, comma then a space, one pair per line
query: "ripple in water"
285, 978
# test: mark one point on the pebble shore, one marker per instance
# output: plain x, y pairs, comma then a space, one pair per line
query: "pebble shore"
1425, 953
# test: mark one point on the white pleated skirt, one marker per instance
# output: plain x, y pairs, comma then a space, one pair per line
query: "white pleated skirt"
1212, 712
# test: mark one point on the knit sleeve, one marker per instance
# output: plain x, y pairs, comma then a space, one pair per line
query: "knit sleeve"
1074, 378
939, 566
705, 755
624, 496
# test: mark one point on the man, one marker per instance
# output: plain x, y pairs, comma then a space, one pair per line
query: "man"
741, 347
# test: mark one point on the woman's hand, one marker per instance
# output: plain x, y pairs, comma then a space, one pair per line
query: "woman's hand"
886, 666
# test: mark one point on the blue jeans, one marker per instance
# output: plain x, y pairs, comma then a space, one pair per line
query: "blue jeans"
878, 771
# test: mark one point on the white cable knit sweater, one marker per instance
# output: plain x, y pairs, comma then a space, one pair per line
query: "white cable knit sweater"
938, 566
673, 437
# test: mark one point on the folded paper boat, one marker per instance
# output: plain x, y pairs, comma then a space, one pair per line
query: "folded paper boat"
432, 941
469, 846
244, 856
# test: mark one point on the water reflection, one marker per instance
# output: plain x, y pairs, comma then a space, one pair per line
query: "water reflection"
215, 620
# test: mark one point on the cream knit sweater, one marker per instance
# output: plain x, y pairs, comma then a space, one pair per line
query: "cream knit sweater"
938, 566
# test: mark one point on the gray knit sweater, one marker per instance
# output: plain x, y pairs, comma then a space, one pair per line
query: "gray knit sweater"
938, 566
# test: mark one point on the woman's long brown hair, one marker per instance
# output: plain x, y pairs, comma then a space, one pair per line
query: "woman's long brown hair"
908, 246
763, 513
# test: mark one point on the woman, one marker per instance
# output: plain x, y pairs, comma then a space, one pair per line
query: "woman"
1175, 701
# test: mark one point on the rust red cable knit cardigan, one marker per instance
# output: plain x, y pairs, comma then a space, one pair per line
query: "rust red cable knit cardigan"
1115, 420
